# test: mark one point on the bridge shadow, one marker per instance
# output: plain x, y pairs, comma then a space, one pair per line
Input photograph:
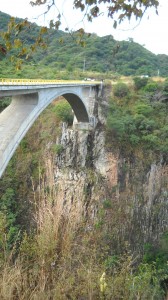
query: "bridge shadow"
78, 107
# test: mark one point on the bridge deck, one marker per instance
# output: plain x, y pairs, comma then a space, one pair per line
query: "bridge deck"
10, 87
30, 98
4, 82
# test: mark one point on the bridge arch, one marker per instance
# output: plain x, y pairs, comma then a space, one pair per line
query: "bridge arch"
74, 99
25, 108
77, 106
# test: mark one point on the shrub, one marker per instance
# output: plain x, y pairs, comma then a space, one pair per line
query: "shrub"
107, 204
58, 148
143, 109
107, 82
116, 126
144, 124
151, 87
151, 140
165, 86
164, 132
120, 90
134, 139
121, 125
63, 112
140, 82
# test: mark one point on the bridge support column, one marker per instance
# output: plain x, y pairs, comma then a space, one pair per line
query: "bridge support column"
89, 96
85, 125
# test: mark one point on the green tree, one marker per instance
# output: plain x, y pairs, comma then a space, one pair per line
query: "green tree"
121, 90
140, 82
63, 112
118, 11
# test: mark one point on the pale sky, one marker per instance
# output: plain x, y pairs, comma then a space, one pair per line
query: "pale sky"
152, 32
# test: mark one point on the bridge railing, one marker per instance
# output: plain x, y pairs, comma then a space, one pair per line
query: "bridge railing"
19, 81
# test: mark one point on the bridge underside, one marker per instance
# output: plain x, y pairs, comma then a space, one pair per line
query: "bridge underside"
78, 107
24, 109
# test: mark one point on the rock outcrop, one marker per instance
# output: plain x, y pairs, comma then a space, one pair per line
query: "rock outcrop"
86, 174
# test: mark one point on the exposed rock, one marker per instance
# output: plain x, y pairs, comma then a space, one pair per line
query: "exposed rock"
86, 174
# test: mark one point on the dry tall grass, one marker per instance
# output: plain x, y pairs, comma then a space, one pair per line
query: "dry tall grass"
50, 261
62, 260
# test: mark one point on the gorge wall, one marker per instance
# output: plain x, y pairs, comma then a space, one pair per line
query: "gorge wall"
80, 208
93, 180
132, 189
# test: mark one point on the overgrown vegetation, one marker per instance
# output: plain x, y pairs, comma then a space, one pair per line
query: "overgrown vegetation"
63, 112
120, 90
64, 52
58, 255
158, 255
23, 173
61, 259
46, 253
139, 118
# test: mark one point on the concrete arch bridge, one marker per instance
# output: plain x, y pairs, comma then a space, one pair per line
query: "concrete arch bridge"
31, 97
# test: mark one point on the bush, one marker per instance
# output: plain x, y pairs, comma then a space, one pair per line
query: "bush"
151, 140
63, 112
58, 148
165, 86
164, 132
143, 109
134, 139
140, 82
116, 126
120, 90
151, 87
144, 124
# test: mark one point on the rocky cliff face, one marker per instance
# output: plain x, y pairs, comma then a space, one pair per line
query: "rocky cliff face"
87, 175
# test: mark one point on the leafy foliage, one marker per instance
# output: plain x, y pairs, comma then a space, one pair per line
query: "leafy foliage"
63, 111
120, 90
140, 82
56, 260
61, 256
92, 8
16, 43
158, 255
22, 176
64, 51
135, 121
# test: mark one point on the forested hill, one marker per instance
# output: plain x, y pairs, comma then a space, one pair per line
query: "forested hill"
100, 54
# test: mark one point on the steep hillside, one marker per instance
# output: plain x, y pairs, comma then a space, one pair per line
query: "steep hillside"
80, 207
101, 54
